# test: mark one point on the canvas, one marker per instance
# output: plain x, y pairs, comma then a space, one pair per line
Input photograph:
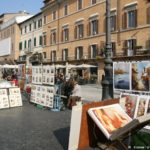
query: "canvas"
140, 76
122, 75
109, 118
129, 102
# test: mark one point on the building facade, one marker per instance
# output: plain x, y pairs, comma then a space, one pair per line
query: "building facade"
31, 38
74, 30
10, 37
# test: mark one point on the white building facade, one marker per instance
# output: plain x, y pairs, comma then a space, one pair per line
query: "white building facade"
30, 38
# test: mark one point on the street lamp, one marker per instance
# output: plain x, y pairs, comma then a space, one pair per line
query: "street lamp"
107, 79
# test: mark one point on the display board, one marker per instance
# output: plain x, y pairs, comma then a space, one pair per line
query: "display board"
133, 76
10, 97
42, 89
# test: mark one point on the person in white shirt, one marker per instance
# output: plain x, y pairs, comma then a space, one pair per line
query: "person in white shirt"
75, 96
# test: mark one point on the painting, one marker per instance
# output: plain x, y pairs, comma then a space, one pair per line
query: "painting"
122, 75
109, 118
141, 76
141, 106
129, 102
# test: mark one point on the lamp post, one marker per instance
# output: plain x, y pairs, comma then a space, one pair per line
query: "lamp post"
107, 79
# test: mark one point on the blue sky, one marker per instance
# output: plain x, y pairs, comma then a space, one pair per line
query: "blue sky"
31, 6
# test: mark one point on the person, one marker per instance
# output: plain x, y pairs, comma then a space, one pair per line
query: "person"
75, 96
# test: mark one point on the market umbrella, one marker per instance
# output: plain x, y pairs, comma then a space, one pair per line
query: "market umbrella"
59, 66
86, 66
70, 66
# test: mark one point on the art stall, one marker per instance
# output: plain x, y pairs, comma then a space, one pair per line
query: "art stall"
118, 123
9, 92
42, 88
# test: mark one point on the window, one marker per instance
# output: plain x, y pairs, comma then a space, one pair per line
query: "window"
30, 27
40, 40
131, 19
39, 23
130, 16
21, 30
29, 45
53, 56
79, 4
20, 46
44, 54
34, 24
79, 53
129, 46
93, 51
94, 27
44, 19
113, 21
25, 44
79, 30
93, 2
113, 48
54, 15
35, 41
66, 9
44, 40
65, 34
25, 29
64, 54
53, 37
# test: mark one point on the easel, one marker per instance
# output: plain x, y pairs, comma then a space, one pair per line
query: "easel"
90, 135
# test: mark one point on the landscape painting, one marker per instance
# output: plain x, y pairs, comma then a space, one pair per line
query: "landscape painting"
122, 75
141, 76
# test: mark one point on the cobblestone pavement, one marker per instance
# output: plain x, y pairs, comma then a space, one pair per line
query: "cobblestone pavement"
30, 128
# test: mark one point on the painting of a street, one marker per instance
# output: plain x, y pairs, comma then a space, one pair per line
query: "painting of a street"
141, 76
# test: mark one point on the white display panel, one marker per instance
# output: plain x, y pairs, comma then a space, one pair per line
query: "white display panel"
5, 47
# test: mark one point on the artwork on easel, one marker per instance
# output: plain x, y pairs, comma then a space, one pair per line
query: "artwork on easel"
141, 107
129, 102
122, 75
141, 76
109, 118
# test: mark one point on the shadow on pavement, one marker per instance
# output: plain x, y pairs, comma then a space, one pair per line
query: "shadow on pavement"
62, 136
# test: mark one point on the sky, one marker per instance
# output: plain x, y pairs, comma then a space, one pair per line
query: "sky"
12, 6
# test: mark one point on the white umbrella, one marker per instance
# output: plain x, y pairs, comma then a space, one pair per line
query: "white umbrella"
59, 66
71, 66
86, 66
